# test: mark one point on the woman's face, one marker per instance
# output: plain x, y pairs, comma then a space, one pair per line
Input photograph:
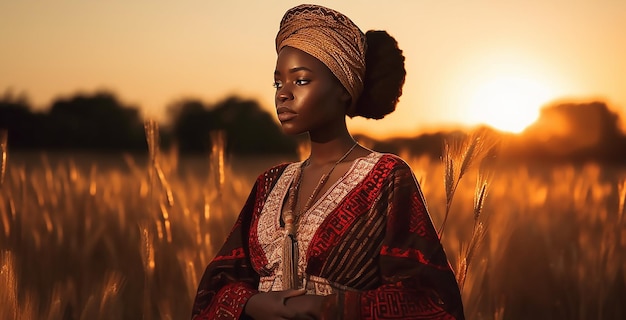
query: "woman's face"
308, 96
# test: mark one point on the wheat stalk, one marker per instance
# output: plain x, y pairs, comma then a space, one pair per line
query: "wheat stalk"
151, 129
458, 157
622, 200
8, 286
3, 155
146, 250
214, 192
110, 303
155, 159
478, 232
480, 193
218, 145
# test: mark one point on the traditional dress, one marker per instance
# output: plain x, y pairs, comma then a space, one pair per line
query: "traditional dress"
367, 244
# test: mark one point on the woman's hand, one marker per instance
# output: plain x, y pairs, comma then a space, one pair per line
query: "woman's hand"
271, 305
306, 306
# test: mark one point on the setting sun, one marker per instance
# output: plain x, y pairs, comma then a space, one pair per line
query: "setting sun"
507, 103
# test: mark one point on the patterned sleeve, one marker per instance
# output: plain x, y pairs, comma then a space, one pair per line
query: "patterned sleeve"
417, 280
229, 280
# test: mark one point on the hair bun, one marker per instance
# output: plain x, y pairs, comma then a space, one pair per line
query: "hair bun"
384, 76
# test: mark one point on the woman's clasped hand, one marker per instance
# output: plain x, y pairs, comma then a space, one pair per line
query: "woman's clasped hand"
287, 304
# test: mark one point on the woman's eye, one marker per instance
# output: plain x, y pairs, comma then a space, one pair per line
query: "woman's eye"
277, 84
301, 82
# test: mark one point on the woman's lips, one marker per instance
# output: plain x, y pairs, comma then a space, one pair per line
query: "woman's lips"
285, 114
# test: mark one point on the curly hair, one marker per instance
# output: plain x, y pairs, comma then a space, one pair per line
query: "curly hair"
384, 76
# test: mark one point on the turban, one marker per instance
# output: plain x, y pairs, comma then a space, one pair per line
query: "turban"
331, 38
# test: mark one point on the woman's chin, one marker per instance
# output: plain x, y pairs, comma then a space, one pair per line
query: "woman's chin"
290, 130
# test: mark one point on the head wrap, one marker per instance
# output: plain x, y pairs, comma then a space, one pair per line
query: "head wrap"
331, 38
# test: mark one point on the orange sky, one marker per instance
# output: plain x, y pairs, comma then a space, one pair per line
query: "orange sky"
467, 61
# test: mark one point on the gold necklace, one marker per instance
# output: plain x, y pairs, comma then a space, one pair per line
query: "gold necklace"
290, 244
323, 179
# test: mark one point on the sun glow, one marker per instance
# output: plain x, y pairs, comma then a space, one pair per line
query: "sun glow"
505, 88
507, 103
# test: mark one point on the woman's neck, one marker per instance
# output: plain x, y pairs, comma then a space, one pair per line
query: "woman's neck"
330, 143
330, 151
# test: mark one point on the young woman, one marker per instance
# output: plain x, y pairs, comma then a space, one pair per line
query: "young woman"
344, 234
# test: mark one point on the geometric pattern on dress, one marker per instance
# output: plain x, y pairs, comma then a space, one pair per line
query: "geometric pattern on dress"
420, 222
270, 234
326, 214
229, 303
270, 179
411, 253
330, 233
399, 303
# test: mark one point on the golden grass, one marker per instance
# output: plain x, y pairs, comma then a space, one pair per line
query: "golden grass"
461, 154
82, 240
3, 155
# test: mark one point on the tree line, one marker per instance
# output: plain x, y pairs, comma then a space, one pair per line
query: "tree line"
565, 131
101, 122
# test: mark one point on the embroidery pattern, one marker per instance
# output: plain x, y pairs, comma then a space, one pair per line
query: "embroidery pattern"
258, 259
412, 254
270, 234
420, 222
237, 253
230, 302
395, 303
331, 231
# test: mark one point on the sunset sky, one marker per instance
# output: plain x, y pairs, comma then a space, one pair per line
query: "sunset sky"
468, 62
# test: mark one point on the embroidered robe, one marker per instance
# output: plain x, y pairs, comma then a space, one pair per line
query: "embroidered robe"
368, 245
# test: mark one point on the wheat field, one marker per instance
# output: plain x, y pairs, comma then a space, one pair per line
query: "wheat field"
128, 237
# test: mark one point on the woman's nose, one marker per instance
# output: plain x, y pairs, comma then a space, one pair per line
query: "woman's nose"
284, 94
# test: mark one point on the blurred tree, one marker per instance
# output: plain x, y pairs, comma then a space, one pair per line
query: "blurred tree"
94, 122
575, 131
191, 124
16, 117
249, 129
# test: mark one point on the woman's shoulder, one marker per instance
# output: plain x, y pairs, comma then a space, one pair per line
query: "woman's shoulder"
278, 168
274, 172
393, 161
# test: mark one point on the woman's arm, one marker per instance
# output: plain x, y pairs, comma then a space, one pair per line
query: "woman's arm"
229, 280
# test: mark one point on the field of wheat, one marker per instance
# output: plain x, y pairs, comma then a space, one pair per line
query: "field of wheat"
128, 237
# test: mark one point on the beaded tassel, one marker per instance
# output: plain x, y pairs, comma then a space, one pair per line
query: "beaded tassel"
290, 263
290, 244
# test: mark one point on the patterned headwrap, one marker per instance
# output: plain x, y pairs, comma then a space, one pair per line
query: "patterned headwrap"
330, 37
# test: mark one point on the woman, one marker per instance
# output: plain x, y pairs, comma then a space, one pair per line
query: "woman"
344, 234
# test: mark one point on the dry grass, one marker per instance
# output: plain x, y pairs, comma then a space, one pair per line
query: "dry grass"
3, 155
459, 156
547, 242
82, 240
127, 243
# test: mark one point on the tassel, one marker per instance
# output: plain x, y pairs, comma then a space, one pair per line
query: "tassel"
290, 244
290, 262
